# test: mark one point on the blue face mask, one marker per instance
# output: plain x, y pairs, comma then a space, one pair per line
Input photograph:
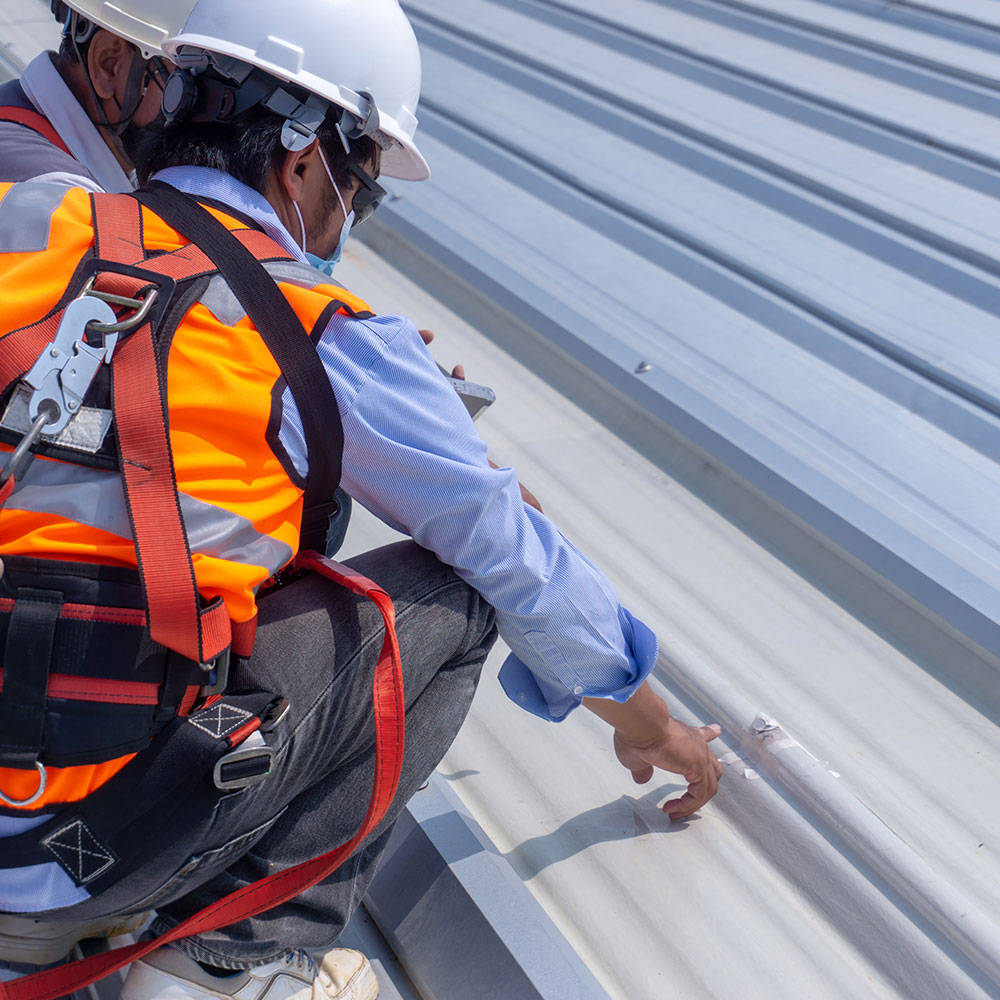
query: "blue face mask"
326, 265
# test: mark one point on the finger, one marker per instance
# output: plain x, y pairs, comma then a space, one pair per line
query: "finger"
680, 808
426, 335
701, 787
458, 372
710, 732
641, 775
690, 802
529, 498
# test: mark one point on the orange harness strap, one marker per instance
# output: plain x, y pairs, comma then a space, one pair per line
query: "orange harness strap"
139, 407
36, 122
387, 693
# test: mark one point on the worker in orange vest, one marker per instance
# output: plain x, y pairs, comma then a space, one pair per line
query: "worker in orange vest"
184, 389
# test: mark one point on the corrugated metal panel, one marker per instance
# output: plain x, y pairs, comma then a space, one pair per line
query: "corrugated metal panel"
788, 210
761, 896
792, 219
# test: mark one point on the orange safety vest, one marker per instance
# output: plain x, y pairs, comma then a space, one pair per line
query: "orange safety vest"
240, 498
168, 430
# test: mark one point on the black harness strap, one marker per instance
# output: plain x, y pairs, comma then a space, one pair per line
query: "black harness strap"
27, 663
286, 339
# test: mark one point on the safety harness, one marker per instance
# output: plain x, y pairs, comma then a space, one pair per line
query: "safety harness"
189, 749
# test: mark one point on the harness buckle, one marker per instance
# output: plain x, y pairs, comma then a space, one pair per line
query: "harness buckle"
243, 767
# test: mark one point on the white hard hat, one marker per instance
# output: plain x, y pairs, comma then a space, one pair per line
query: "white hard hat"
361, 55
144, 23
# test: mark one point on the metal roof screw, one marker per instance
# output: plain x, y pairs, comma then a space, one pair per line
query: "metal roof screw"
642, 367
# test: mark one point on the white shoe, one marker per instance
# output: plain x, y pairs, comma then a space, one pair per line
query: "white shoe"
25, 940
168, 974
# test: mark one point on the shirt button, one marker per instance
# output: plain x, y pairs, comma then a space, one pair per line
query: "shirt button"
578, 690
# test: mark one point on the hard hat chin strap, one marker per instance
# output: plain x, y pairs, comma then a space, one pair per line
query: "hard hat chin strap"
80, 31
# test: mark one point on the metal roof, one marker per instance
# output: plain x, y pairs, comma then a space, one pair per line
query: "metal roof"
788, 211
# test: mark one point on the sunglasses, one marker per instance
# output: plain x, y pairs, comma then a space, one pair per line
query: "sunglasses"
368, 197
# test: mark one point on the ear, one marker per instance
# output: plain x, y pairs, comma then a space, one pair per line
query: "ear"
109, 60
293, 174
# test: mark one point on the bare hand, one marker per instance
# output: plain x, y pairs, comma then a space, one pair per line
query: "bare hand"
459, 370
682, 750
648, 737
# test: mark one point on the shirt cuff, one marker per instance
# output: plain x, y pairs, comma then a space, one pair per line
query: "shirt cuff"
521, 686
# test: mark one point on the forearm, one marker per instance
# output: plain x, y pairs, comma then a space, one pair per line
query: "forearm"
642, 720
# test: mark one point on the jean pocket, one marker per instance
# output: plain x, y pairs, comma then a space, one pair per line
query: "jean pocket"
202, 866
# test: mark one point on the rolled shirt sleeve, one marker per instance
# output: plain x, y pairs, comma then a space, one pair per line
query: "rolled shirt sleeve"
413, 458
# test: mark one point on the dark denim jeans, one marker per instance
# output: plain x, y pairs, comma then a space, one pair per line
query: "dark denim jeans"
317, 644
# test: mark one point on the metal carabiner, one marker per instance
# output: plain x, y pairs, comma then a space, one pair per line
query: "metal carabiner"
67, 356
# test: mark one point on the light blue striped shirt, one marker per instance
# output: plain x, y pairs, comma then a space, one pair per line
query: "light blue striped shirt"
412, 457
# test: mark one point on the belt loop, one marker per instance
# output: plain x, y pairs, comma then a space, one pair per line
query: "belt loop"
27, 663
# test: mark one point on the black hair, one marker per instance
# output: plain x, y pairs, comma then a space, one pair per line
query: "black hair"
66, 53
247, 147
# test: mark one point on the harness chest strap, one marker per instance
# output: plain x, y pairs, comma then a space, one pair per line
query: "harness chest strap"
389, 707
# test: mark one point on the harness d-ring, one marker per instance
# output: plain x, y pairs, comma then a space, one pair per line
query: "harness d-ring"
42, 782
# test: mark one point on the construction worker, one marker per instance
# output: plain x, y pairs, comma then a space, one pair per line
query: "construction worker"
76, 115
141, 539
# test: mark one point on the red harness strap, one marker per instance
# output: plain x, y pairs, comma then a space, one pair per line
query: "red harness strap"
36, 122
387, 693
140, 413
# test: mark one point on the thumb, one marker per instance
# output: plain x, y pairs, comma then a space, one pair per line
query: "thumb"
711, 732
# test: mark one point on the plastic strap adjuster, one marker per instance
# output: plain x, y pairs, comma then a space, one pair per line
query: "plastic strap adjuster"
243, 767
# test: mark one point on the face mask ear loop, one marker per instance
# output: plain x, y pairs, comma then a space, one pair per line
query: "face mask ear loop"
302, 225
336, 190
